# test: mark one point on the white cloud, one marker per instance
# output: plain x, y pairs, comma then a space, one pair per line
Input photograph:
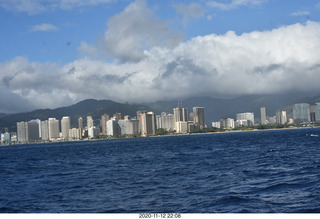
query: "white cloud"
281, 60
40, 6
232, 4
44, 27
131, 32
300, 13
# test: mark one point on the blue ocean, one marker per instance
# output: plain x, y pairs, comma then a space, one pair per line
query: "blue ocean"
244, 172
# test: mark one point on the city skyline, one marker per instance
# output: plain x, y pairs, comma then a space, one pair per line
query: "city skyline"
59, 52
147, 123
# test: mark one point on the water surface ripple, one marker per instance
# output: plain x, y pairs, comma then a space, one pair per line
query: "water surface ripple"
258, 172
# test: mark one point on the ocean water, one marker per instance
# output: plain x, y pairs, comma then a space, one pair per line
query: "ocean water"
250, 172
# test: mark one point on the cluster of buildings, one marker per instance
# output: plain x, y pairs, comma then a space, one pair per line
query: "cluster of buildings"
147, 123
144, 124
302, 113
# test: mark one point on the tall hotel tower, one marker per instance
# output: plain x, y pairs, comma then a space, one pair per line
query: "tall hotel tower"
301, 112
263, 115
148, 123
198, 117
89, 122
65, 126
104, 119
180, 114
54, 130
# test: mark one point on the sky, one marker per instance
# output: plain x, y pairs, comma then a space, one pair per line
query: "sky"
58, 52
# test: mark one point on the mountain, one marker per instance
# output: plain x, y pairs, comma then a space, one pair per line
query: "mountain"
216, 109
3, 115
90, 107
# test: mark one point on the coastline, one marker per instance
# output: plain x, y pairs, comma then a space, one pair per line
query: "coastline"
180, 134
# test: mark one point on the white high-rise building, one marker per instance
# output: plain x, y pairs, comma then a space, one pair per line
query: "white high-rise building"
246, 116
65, 126
113, 127
168, 122
159, 121
216, 124
74, 134
45, 130
180, 115
54, 130
22, 131
89, 122
281, 117
227, 123
182, 127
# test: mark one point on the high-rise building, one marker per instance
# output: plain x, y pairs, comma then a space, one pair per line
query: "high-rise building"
180, 114
216, 125
22, 131
45, 130
198, 117
139, 117
246, 116
93, 132
183, 127
168, 122
89, 122
263, 115
104, 119
113, 127
301, 112
128, 126
227, 123
65, 126
33, 131
317, 112
54, 130
80, 123
80, 126
159, 121
281, 117
74, 134
148, 124
284, 119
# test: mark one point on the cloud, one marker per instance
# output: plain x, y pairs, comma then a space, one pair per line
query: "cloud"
234, 4
131, 32
44, 27
281, 60
40, 6
189, 11
300, 13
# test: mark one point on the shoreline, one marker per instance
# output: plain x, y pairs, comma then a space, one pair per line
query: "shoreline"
182, 134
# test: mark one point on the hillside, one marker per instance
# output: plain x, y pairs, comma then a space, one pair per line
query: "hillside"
94, 108
215, 108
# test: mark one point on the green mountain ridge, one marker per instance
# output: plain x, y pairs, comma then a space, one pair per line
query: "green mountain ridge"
89, 107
